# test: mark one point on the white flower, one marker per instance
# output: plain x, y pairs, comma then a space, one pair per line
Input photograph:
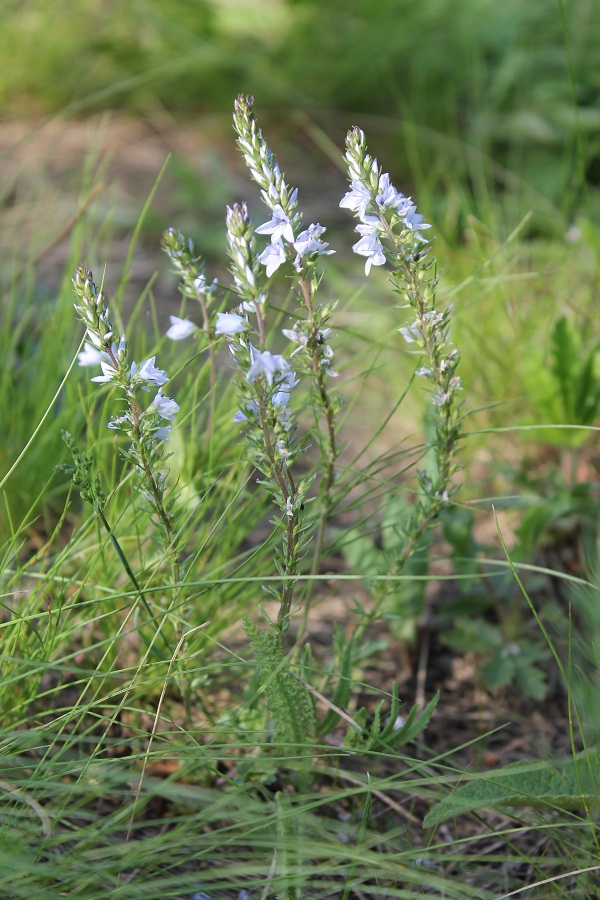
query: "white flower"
230, 323
309, 241
272, 257
90, 355
180, 328
200, 285
267, 364
357, 199
440, 398
283, 450
369, 245
387, 194
165, 407
120, 350
250, 306
296, 335
279, 226
110, 373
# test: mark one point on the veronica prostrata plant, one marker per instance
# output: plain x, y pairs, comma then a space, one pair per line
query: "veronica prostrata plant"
141, 422
391, 235
302, 249
267, 378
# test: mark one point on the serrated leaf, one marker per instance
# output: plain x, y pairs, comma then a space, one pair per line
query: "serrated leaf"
499, 670
416, 722
565, 785
531, 681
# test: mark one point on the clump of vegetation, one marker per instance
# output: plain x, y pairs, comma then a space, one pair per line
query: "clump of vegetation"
172, 725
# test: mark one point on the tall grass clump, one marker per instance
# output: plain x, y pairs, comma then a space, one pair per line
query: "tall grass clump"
172, 726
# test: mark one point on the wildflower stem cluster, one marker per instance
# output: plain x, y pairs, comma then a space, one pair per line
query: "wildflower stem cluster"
268, 377
303, 250
392, 233
264, 392
143, 426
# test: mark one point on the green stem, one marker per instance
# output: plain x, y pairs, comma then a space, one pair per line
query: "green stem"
134, 581
287, 489
329, 456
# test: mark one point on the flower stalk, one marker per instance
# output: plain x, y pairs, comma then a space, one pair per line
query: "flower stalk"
143, 426
195, 287
313, 353
391, 233
264, 394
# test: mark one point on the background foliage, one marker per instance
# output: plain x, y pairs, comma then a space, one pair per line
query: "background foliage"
518, 83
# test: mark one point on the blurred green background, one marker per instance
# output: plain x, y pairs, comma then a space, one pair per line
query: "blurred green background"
507, 92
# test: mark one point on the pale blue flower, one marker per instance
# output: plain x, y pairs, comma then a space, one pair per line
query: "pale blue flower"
118, 421
272, 257
357, 199
90, 355
309, 241
180, 328
148, 372
411, 333
279, 226
267, 364
403, 204
241, 416
414, 221
162, 434
230, 323
109, 372
282, 395
165, 407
